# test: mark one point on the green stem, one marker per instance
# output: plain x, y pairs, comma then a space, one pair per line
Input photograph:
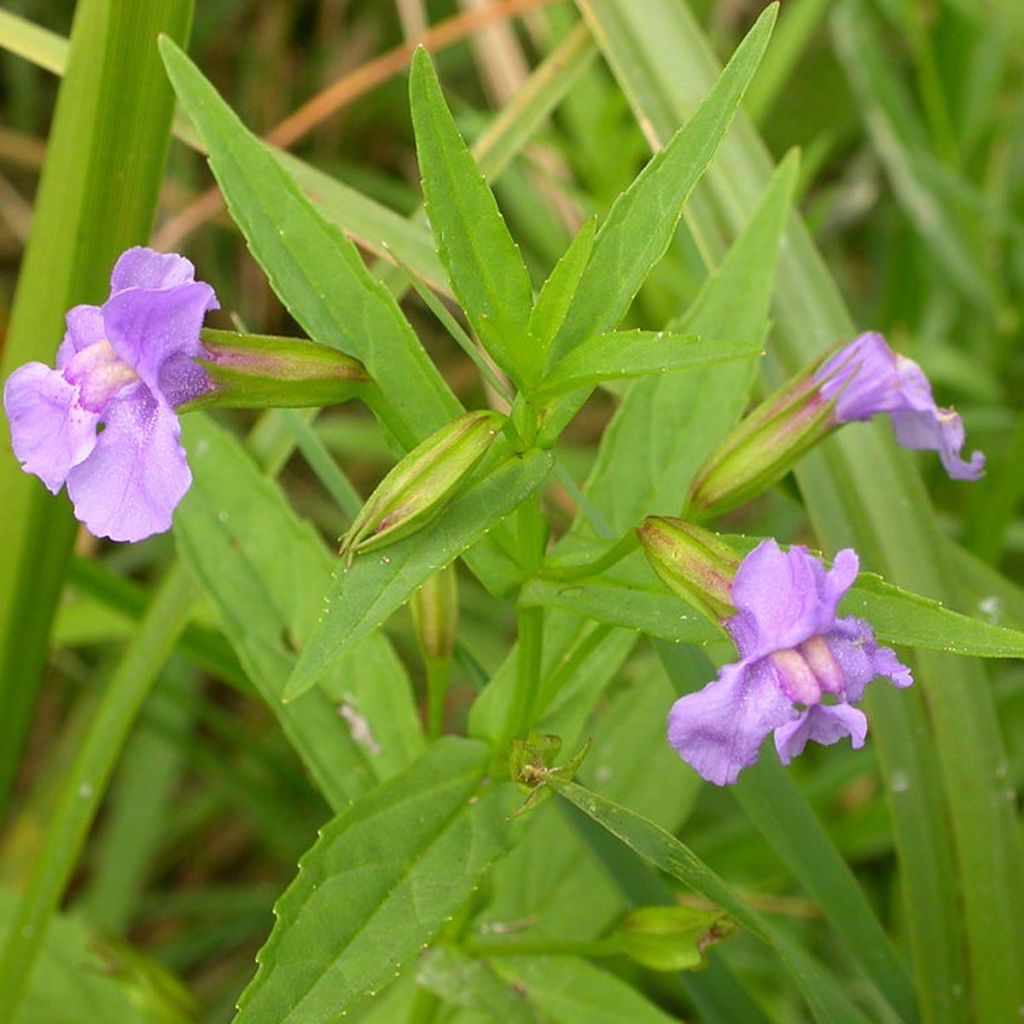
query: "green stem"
439, 671
528, 663
620, 549
87, 780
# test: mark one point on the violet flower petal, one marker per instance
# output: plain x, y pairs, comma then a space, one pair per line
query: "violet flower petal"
147, 327
785, 597
50, 431
719, 730
853, 645
825, 724
941, 431
128, 488
867, 378
84, 328
140, 267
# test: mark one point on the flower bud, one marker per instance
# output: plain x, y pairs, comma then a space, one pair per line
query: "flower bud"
694, 563
762, 448
672, 938
423, 482
255, 371
435, 614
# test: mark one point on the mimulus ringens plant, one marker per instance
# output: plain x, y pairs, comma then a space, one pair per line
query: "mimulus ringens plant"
125, 366
796, 654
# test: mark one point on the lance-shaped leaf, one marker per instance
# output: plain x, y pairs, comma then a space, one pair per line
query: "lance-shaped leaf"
620, 355
556, 295
484, 264
376, 584
639, 227
378, 884
314, 269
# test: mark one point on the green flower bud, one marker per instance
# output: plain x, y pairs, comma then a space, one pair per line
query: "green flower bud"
435, 614
258, 371
762, 448
694, 563
672, 938
423, 482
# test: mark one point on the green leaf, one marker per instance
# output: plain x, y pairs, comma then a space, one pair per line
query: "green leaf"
824, 994
643, 220
317, 272
677, 420
376, 584
473, 984
484, 264
556, 296
629, 595
569, 990
79, 979
901, 617
620, 355
264, 572
898, 137
379, 883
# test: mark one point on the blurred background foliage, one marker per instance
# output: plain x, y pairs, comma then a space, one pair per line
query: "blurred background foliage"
910, 117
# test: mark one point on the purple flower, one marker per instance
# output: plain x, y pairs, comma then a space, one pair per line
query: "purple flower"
124, 366
796, 654
867, 377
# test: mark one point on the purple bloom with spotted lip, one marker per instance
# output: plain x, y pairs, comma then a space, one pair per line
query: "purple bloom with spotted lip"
124, 365
867, 377
796, 653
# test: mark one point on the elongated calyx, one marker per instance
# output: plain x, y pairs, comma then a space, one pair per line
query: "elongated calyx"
693, 562
255, 371
419, 486
863, 379
435, 614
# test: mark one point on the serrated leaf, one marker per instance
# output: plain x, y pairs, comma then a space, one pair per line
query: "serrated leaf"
264, 572
484, 264
315, 270
378, 885
377, 583
620, 355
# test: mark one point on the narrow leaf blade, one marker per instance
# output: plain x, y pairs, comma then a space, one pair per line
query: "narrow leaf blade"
484, 264
620, 355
